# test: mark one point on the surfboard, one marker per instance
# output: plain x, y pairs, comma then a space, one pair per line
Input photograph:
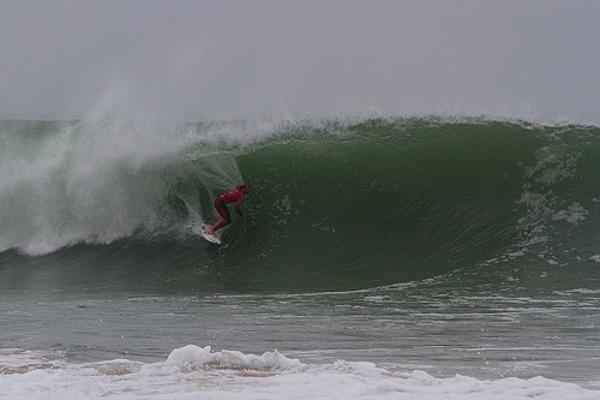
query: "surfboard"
210, 238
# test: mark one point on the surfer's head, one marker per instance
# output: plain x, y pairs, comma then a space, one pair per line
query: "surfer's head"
244, 188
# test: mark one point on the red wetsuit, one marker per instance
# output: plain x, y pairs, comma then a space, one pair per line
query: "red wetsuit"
220, 203
235, 195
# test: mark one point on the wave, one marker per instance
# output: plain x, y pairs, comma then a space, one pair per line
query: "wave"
337, 205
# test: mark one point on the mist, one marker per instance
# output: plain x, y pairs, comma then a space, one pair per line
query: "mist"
222, 60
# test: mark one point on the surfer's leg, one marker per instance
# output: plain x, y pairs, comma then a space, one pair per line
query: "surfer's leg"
222, 223
224, 213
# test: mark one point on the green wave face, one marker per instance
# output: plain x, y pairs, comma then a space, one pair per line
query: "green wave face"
334, 207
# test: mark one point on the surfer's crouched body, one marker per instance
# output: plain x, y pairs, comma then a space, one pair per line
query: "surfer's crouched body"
220, 204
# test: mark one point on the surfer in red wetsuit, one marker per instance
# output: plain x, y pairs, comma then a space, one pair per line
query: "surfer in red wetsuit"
220, 203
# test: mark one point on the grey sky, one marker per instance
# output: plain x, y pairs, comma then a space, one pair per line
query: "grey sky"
245, 59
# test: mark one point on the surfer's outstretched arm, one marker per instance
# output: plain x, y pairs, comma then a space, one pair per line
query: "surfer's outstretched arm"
238, 209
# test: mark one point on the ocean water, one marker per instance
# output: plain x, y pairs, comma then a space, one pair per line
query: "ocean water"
379, 259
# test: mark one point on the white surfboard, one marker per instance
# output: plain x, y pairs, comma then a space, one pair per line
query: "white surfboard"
211, 238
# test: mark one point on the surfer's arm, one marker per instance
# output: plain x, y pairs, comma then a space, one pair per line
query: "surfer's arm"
238, 209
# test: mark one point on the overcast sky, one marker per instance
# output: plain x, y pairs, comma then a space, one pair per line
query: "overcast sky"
245, 59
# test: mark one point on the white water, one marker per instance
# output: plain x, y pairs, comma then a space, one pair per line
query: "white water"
192, 372
106, 178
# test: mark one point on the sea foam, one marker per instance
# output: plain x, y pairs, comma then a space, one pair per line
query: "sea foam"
192, 372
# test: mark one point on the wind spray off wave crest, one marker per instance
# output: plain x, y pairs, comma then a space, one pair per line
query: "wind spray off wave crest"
96, 181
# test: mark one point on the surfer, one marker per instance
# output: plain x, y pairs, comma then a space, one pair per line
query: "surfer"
220, 204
